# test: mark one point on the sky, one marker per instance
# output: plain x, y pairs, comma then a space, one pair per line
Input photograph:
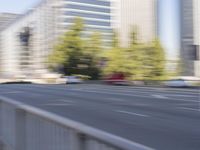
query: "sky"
169, 31
16, 6
168, 21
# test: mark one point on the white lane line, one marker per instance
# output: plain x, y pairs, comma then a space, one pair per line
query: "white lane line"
115, 99
159, 96
57, 104
134, 95
186, 104
179, 95
131, 113
11, 92
186, 108
164, 94
66, 101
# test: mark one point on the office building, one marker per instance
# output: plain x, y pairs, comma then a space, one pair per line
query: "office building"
95, 13
139, 15
190, 37
6, 18
27, 42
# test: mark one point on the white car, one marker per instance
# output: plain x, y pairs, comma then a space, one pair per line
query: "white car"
177, 83
73, 80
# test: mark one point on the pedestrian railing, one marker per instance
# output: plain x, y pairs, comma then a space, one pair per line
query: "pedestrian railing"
23, 127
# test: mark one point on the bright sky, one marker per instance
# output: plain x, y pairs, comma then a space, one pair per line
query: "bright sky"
169, 30
168, 20
16, 6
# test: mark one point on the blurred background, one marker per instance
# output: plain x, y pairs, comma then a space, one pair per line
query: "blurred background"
132, 40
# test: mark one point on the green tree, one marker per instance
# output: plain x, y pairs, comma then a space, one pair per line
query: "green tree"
139, 61
126, 60
156, 63
116, 61
136, 55
75, 54
116, 58
115, 40
92, 51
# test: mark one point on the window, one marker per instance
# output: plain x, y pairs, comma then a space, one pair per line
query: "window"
88, 8
93, 2
88, 15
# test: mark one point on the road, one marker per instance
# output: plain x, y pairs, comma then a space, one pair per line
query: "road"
161, 118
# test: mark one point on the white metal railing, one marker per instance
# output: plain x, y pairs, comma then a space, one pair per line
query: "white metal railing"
23, 127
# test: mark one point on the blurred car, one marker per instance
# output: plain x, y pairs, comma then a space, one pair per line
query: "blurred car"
73, 80
116, 79
61, 80
177, 83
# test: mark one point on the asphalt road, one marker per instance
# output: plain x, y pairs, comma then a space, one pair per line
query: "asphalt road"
161, 118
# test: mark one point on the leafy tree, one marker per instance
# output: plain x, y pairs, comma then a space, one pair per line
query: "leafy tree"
76, 54
116, 58
125, 60
115, 40
136, 54
139, 61
156, 61
116, 61
92, 52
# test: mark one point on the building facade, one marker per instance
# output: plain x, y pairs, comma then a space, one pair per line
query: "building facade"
139, 15
96, 15
27, 42
6, 18
190, 37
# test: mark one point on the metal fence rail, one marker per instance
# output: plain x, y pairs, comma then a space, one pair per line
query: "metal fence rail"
23, 127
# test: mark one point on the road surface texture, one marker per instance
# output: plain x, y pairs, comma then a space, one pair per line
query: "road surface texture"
161, 118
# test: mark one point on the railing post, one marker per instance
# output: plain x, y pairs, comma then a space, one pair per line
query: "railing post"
77, 140
20, 129
82, 141
1, 126
1, 120
1, 146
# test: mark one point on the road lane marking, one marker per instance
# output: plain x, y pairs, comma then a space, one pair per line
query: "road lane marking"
57, 104
121, 94
11, 92
186, 104
115, 99
164, 94
186, 108
159, 96
131, 113
180, 95
66, 101
133, 95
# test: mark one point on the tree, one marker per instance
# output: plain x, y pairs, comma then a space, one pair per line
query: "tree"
92, 51
139, 61
136, 55
116, 61
115, 40
116, 58
126, 60
76, 54
156, 61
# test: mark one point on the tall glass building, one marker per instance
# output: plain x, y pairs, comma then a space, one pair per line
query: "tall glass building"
138, 14
96, 15
46, 22
190, 37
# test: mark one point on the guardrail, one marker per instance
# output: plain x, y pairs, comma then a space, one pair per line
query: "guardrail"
23, 127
